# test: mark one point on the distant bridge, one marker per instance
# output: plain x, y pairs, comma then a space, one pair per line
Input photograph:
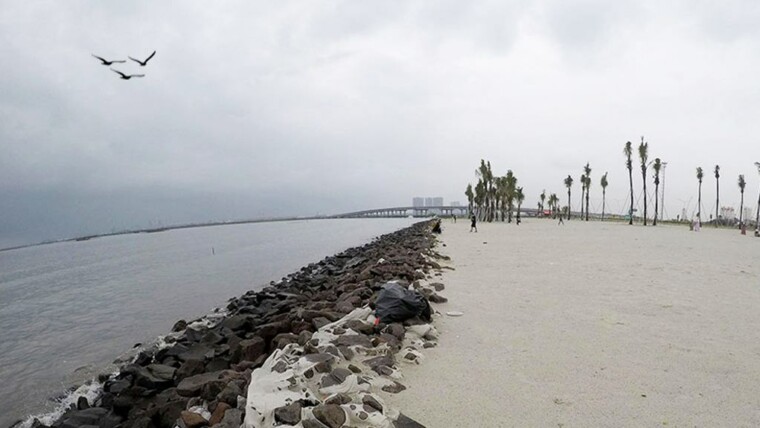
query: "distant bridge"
448, 210
443, 210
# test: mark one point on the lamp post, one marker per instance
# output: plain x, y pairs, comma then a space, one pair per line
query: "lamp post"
757, 215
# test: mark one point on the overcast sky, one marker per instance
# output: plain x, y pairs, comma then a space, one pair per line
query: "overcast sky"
254, 109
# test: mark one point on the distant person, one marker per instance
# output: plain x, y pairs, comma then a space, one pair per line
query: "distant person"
454, 218
757, 233
518, 220
473, 223
562, 222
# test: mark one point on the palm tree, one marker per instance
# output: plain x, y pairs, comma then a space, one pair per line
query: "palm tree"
480, 192
583, 192
543, 198
553, 199
628, 151
643, 155
568, 184
717, 192
510, 183
657, 166
470, 196
486, 175
587, 171
520, 197
699, 200
604, 184
742, 184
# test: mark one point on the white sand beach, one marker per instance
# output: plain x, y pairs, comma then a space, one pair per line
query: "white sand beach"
593, 324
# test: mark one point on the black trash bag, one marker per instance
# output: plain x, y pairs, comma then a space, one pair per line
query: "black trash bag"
395, 304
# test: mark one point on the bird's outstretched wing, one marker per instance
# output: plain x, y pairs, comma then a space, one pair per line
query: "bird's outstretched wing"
137, 75
151, 56
119, 72
101, 59
135, 60
118, 61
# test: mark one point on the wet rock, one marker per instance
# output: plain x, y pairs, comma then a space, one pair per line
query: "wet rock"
354, 369
397, 330
404, 421
371, 404
230, 394
205, 384
290, 414
217, 364
437, 286
218, 413
249, 349
331, 415
339, 399
232, 419
320, 322
179, 326
82, 403
394, 388
152, 376
361, 327
353, 340
335, 377
189, 368
312, 423
193, 420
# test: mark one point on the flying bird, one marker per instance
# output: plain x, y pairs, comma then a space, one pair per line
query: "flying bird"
127, 76
105, 62
143, 63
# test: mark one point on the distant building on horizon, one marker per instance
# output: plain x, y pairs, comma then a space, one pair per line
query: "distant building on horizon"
437, 202
455, 204
428, 201
418, 202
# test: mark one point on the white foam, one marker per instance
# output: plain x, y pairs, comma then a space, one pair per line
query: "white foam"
91, 390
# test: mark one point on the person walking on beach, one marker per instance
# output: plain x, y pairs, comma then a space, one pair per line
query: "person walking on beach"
473, 223
562, 222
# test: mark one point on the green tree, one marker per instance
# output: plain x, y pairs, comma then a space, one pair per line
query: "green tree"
700, 175
643, 155
553, 200
657, 167
470, 197
742, 184
604, 184
628, 151
519, 197
510, 182
569, 185
543, 199
717, 193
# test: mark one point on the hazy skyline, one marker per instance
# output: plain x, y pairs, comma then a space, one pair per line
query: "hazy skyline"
300, 108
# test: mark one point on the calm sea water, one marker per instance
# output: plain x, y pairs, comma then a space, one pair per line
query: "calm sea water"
69, 309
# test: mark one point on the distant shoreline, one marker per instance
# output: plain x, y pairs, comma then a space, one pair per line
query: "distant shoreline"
165, 228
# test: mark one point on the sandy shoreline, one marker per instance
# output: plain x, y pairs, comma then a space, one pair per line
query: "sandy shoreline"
592, 324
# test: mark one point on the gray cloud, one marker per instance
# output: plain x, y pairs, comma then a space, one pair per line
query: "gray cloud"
301, 107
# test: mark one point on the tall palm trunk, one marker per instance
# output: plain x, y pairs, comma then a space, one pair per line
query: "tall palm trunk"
630, 180
644, 179
656, 201
699, 204
604, 200
587, 191
568, 203
741, 209
717, 198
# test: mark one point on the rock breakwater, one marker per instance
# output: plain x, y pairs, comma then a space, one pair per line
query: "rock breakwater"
304, 351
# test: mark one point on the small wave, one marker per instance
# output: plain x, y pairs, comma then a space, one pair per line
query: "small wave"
91, 390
